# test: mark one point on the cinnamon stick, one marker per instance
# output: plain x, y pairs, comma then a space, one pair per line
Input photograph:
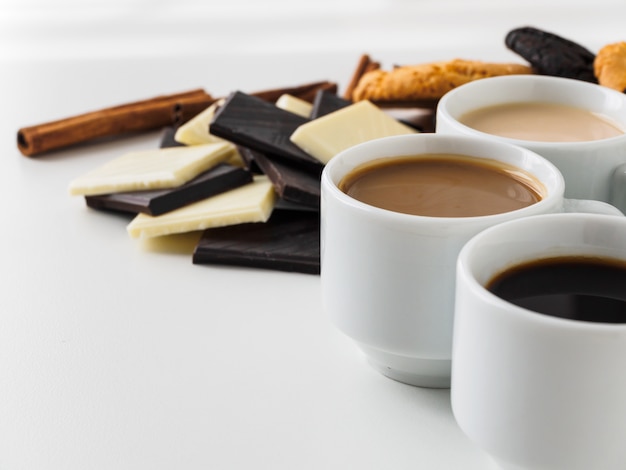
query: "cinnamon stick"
364, 65
153, 113
150, 114
185, 109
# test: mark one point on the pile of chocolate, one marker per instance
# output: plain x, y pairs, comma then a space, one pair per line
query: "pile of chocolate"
261, 130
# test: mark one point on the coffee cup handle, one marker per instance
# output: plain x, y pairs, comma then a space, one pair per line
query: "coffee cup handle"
618, 187
589, 206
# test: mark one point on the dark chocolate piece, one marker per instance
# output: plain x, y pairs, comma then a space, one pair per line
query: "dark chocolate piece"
187, 109
550, 54
251, 122
326, 102
167, 138
159, 201
248, 160
282, 205
288, 241
291, 184
421, 119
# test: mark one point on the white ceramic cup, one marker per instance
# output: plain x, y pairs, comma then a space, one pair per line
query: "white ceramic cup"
536, 391
387, 278
592, 169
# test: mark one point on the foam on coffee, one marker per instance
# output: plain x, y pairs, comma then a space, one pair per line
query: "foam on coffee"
442, 185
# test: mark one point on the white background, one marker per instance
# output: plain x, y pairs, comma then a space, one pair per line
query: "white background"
117, 354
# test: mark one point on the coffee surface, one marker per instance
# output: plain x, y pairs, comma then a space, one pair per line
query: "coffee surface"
442, 185
542, 122
577, 288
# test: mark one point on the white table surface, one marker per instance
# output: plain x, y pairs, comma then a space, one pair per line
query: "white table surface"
117, 354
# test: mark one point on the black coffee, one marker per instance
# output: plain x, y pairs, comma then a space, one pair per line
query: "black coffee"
578, 288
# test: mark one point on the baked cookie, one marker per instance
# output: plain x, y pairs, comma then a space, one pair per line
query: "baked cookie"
610, 66
427, 81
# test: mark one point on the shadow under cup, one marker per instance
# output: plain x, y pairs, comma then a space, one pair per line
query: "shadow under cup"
534, 390
387, 277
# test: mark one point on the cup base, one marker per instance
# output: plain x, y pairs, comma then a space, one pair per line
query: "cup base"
429, 373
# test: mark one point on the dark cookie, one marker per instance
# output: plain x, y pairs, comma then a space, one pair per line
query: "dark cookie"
550, 54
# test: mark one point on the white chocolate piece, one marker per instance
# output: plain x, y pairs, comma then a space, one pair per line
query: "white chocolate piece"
235, 158
196, 130
294, 105
152, 169
252, 202
325, 137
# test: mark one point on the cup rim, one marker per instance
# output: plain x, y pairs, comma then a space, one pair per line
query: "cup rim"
442, 108
548, 200
465, 271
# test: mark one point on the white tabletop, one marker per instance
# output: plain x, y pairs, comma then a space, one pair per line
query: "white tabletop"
118, 354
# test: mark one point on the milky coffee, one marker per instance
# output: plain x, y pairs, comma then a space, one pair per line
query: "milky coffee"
541, 122
442, 185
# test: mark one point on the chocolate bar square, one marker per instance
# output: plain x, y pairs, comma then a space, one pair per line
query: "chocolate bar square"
261, 126
222, 177
288, 241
